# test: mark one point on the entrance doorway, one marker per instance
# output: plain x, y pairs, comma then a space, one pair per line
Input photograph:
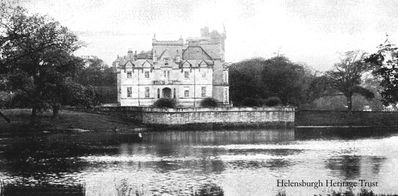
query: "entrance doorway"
166, 92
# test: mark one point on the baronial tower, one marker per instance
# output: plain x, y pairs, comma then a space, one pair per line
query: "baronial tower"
185, 71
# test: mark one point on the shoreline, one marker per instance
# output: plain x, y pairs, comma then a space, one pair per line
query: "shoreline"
67, 122
73, 121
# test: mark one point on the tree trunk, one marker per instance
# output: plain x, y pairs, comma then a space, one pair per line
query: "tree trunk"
55, 108
33, 117
349, 103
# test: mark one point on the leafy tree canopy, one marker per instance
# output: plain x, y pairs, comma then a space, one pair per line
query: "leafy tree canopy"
96, 73
37, 58
346, 76
385, 68
208, 102
256, 79
164, 103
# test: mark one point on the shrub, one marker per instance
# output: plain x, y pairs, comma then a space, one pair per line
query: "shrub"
250, 102
261, 102
208, 102
165, 103
273, 101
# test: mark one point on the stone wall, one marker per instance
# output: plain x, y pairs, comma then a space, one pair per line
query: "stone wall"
228, 116
343, 118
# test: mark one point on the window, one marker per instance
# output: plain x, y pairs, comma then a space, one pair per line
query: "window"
203, 91
174, 93
225, 95
129, 75
186, 93
186, 74
146, 92
204, 74
166, 74
146, 74
158, 93
225, 77
129, 91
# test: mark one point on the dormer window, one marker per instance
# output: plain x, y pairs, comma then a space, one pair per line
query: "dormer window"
186, 75
204, 74
166, 61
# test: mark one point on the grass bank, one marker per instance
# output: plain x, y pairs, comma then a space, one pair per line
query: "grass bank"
67, 120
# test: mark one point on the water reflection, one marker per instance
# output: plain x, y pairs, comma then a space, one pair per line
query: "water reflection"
351, 167
219, 137
343, 133
347, 167
43, 190
233, 162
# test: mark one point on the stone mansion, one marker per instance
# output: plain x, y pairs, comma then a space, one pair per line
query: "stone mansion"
185, 71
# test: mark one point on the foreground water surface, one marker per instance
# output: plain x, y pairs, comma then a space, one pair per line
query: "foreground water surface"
226, 162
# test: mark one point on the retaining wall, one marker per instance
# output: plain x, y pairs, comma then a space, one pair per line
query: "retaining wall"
223, 116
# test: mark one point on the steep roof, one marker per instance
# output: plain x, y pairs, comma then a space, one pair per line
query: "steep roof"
195, 53
165, 53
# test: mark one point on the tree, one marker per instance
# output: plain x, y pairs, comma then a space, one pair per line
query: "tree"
385, 68
318, 88
245, 80
346, 76
252, 81
164, 103
286, 80
208, 102
96, 73
83, 96
272, 101
37, 57
101, 77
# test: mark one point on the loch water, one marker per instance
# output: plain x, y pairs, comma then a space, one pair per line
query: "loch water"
206, 162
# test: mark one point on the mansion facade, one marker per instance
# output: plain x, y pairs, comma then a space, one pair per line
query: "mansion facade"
186, 71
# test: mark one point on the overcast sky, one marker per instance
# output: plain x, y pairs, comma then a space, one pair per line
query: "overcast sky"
313, 32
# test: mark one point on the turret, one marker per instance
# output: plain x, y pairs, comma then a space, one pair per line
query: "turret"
130, 54
154, 56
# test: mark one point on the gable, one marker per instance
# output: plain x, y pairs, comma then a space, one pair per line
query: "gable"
186, 64
129, 64
204, 63
147, 64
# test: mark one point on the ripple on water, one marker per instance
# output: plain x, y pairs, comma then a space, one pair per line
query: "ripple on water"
236, 165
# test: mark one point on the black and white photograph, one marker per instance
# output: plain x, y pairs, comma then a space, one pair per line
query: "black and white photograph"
198, 97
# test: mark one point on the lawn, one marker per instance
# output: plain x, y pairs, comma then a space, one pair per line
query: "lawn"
67, 120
